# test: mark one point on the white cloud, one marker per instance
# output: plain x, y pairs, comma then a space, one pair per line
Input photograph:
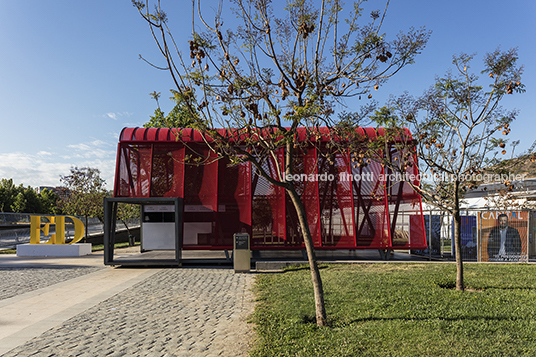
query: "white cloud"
93, 149
98, 142
45, 168
82, 147
134, 125
118, 115
32, 170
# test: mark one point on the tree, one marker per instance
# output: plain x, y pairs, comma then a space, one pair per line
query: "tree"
126, 211
25, 200
8, 194
459, 128
179, 117
19, 204
50, 202
276, 71
83, 194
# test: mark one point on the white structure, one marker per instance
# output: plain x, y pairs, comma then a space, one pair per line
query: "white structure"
53, 250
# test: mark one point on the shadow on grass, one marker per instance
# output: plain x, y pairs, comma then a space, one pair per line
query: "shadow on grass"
311, 320
451, 285
301, 267
463, 318
506, 287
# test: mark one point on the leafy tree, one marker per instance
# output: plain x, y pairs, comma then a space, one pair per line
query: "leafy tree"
125, 212
8, 194
25, 200
277, 71
179, 117
19, 204
459, 126
83, 194
49, 202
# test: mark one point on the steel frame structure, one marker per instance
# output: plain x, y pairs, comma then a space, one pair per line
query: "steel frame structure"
110, 220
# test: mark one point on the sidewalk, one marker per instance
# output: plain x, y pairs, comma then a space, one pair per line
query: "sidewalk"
97, 310
79, 307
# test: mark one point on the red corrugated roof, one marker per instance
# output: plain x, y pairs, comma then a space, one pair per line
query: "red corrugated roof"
193, 135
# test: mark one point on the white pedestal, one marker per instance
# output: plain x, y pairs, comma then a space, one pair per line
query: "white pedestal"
53, 250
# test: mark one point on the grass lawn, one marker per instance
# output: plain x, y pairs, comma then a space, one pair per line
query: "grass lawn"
97, 247
399, 310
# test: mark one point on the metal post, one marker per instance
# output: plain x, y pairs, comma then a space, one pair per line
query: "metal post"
528, 235
478, 238
441, 235
430, 236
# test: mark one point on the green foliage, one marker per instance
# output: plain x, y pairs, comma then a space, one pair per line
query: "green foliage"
83, 194
21, 199
49, 201
179, 117
399, 310
384, 117
127, 211
8, 193
19, 204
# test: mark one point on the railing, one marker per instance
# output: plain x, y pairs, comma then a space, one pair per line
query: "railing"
476, 234
16, 228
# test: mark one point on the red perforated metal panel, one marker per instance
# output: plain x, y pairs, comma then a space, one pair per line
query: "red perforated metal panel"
350, 202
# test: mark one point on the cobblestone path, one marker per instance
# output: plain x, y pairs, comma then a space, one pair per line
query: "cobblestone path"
17, 281
175, 312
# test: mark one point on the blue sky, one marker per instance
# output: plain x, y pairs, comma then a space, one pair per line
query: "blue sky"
71, 77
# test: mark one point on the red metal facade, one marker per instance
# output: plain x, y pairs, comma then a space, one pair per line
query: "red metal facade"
222, 199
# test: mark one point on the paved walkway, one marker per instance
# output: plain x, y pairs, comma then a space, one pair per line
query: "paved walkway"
94, 310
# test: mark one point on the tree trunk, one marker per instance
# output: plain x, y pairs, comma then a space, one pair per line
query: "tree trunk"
130, 237
458, 241
321, 317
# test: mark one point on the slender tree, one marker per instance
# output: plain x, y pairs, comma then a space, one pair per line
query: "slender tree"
83, 194
282, 67
460, 128
126, 212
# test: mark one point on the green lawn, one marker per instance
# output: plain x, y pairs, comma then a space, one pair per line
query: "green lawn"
399, 310
97, 247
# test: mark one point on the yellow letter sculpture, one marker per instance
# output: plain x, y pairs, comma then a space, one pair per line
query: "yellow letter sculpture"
59, 236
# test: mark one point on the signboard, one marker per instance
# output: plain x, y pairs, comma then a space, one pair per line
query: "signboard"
241, 241
504, 236
433, 235
159, 208
468, 237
